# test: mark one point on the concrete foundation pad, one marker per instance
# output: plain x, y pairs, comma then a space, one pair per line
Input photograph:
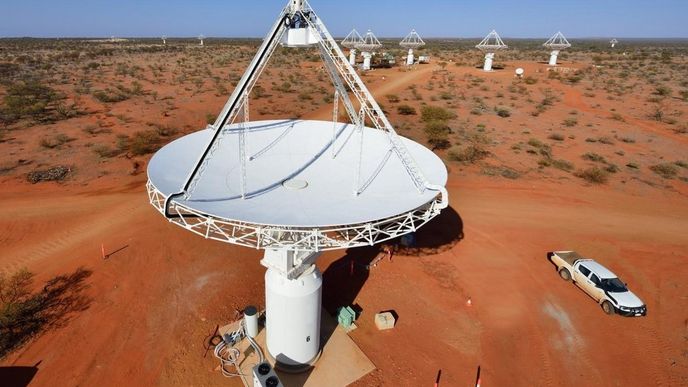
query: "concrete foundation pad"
341, 361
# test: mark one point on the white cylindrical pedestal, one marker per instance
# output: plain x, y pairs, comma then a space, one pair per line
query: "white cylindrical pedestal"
352, 57
489, 57
292, 317
613, 44
553, 58
409, 58
366, 60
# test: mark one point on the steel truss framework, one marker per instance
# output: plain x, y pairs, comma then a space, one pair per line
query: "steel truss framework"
491, 43
295, 238
557, 42
412, 40
346, 82
352, 40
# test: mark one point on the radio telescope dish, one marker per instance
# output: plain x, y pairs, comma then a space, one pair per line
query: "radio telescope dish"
489, 45
556, 43
164, 40
351, 42
368, 45
519, 72
412, 41
613, 42
296, 188
201, 38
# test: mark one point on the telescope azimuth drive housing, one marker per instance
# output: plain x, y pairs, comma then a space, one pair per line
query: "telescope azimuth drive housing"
295, 188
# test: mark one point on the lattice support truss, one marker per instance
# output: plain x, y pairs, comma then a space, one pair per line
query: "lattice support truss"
295, 238
369, 43
352, 40
491, 43
557, 42
412, 40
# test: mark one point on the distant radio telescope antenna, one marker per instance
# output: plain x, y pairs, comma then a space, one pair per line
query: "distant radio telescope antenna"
201, 38
352, 41
489, 45
556, 43
613, 42
519, 72
412, 41
112, 38
297, 187
368, 46
164, 40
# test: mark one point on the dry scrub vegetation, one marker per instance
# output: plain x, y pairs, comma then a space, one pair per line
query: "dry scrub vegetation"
96, 108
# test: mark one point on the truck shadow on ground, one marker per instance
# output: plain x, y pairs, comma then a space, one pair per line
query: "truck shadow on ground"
18, 376
344, 278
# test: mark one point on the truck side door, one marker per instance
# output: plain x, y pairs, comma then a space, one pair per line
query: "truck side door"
596, 291
582, 279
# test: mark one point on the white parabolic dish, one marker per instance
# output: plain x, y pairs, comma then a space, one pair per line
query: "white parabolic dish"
292, 179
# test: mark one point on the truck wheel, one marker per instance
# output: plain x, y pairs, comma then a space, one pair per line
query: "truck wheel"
607, 307
565, 274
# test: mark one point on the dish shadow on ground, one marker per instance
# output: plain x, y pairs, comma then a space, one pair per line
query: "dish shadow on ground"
344, 278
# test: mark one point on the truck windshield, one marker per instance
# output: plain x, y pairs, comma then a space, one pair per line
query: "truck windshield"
613, 285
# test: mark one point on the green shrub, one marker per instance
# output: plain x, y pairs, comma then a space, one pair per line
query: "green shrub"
563, 165
666, 170
28, 99
591, 156
556, 137
406, 110
435, 113
144, 142
570, 122
503, 112
469, 154
593, 175
110, 96
438, 134
392, 98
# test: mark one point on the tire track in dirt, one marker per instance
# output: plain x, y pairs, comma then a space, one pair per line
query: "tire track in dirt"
93, 226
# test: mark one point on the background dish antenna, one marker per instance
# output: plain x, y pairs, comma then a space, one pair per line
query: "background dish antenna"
412, 41
613, 42
164, 40
489, 45
351, 42
201, 38
556, 43
368, 46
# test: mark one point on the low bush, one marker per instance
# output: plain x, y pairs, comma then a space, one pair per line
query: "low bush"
666, 170
469, 154
593, 175
435, 113
406, 110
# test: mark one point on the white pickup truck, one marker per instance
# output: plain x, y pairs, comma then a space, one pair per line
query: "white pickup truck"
598, 282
